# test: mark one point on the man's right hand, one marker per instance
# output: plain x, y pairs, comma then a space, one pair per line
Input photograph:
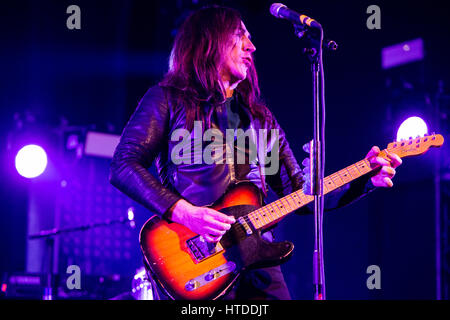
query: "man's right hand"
209, 223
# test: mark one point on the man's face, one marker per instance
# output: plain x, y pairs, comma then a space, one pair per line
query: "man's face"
238, 58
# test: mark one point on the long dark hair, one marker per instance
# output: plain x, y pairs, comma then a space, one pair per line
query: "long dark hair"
197, 53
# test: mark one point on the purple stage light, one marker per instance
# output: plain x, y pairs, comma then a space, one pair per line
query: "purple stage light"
412, 127
402, 53
31, 161
130, 213
101, 144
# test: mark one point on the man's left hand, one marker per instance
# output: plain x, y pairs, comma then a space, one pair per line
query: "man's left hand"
384, 176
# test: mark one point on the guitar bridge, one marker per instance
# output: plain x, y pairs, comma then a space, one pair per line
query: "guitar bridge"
200, 249
209, 276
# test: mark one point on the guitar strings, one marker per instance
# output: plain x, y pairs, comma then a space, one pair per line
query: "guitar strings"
397, 149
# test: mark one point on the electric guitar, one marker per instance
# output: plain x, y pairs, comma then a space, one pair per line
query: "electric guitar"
188, 267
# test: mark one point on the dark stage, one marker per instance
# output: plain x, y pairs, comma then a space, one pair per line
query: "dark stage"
75, 71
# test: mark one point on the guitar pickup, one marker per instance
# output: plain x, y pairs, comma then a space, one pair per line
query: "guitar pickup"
201, 249
245, 225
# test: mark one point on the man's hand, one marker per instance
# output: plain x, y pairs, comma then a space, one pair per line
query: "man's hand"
387, 171
209, 223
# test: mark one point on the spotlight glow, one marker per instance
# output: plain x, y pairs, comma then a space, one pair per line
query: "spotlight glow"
130, 213
31, 161
412, 127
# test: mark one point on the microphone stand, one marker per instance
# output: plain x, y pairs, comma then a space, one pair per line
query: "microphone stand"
49, 235
314, 50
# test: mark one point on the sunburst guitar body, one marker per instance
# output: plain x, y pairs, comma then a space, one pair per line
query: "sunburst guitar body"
187, 267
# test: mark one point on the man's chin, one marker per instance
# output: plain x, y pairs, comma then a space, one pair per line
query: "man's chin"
237, 78
242, 76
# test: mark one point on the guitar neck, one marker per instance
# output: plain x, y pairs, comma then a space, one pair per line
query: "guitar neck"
271, 213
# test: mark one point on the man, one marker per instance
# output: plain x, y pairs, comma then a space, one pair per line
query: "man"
212, 84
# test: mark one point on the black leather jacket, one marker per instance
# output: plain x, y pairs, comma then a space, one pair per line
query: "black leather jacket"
148, 137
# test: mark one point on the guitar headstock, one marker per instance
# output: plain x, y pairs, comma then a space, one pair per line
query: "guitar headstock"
415, 146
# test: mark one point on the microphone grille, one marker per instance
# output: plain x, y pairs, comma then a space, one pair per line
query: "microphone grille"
275, 7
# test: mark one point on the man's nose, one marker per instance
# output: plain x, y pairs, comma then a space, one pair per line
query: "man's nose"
249, 46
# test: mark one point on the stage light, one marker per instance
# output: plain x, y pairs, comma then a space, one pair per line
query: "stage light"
130, 213
412, 127
402, 53
31, 161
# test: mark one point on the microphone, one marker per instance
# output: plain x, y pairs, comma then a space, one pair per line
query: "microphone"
279, 10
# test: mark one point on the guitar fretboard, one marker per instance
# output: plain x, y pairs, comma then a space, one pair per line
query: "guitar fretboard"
271, 213
267, 215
